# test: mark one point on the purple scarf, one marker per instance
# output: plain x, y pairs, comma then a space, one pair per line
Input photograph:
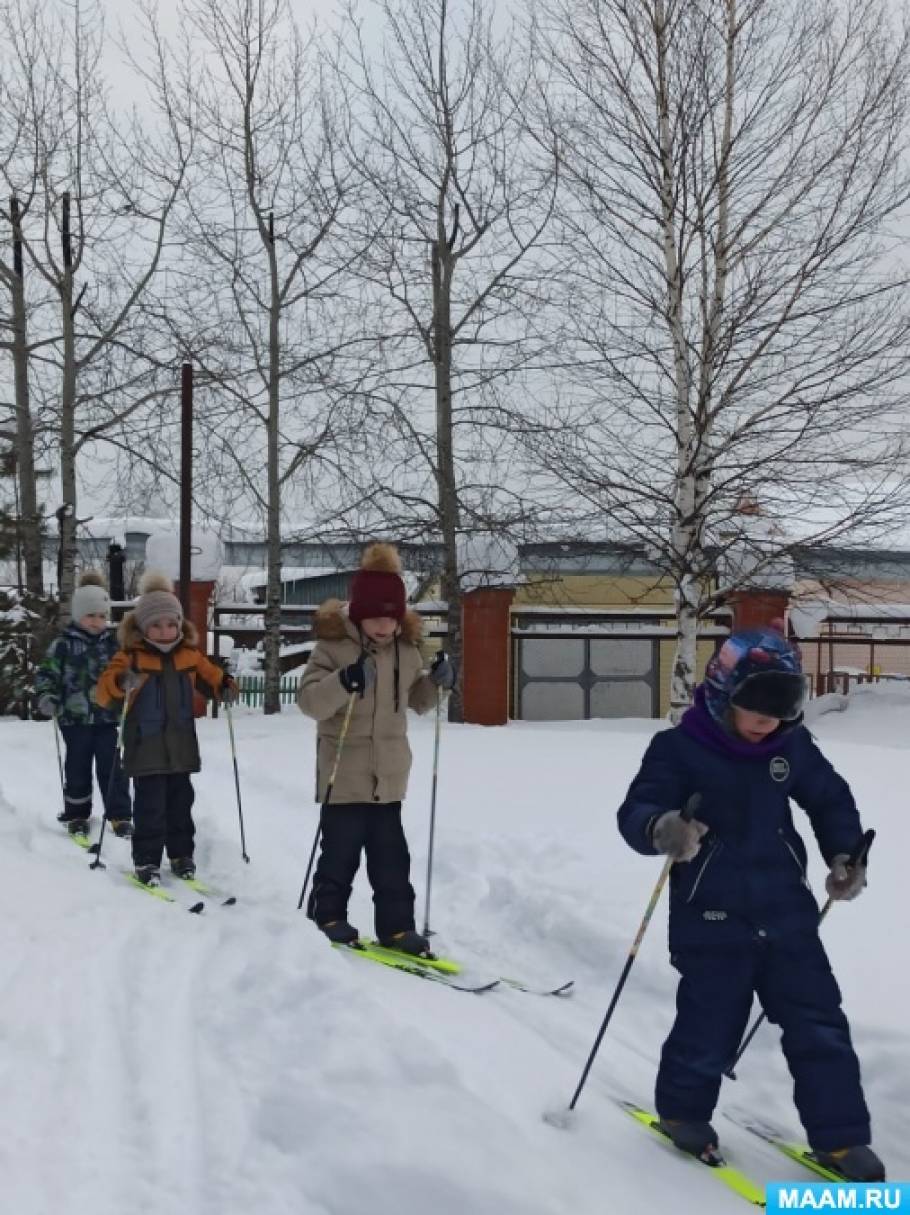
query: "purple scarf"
698, 723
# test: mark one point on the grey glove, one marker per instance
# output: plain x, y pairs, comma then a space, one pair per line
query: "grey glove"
677, 837
844, 883
129, 681
442, 673
47, 706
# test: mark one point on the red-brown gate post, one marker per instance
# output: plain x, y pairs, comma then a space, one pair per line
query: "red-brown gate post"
486, 655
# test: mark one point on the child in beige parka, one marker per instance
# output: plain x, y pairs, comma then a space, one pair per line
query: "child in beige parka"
367, 649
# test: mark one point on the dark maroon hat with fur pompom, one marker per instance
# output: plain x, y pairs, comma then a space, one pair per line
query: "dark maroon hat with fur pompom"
377, 589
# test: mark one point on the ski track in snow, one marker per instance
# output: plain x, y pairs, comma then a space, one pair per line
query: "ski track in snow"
152, 1060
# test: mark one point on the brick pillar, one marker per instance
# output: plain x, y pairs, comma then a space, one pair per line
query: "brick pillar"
757, 609
486, 649
200, 598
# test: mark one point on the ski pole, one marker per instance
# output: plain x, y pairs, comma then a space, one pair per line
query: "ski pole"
96, 848
857, 857
59, 759
230, 722
426, 910
686, 814
328, 794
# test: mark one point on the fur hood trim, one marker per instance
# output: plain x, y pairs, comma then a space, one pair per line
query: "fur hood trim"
331, 623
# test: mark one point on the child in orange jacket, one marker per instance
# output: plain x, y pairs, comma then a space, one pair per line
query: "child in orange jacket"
158, 668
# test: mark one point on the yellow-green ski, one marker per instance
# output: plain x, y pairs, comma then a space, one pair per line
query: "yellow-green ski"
397, 960
731, 1177
444, 965
155, 891
801, 1153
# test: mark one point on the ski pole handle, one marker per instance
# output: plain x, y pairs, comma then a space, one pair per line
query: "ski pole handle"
857, 857
861, 851
688, 811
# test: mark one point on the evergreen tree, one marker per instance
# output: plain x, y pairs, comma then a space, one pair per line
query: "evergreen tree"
27, 622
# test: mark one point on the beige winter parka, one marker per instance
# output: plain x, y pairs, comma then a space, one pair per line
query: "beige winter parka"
376, 758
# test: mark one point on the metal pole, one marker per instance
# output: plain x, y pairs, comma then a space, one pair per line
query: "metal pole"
328, 794
426, 910
230, 721
687, 813
59, 758
857, 857
118, 760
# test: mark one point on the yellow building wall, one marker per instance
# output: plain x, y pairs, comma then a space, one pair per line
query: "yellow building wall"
594, 590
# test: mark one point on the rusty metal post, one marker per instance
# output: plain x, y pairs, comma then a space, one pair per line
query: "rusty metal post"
186, 484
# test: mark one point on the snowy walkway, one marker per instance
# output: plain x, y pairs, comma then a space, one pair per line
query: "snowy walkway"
232, 1064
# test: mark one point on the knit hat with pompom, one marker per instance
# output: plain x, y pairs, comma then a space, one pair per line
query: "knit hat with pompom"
377, 589
156, 601
90, 597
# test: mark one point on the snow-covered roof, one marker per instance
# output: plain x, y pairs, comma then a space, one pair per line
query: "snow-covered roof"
293, 573
807, 618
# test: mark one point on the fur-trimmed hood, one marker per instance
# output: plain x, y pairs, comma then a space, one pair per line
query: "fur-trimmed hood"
332, 623
130, 636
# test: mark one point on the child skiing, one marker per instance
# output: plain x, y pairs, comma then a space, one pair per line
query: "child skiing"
65, 687
157, 668
742, 917
367, 648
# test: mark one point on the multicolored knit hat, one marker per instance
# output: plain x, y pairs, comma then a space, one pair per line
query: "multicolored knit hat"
759, 670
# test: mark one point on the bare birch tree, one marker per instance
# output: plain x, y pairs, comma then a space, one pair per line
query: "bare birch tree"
462, 201
736, 317
259, 301
17, 425
100, 191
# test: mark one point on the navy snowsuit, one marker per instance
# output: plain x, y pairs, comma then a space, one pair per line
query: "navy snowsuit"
68, 676
743, 920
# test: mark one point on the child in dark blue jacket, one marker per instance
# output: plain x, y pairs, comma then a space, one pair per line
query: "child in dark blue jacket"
743, 919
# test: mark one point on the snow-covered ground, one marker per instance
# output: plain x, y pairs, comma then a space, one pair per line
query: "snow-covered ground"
232, 1064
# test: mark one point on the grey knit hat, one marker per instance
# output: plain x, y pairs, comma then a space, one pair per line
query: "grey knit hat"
90, 597
156, 601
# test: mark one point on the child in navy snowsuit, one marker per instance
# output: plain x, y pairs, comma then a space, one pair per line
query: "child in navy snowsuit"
743, 919
65, 687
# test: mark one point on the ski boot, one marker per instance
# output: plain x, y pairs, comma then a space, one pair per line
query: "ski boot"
695, 1138
408, 942
340, 932
148, 875
75, 826
183, 867
853, 1163
121, 827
